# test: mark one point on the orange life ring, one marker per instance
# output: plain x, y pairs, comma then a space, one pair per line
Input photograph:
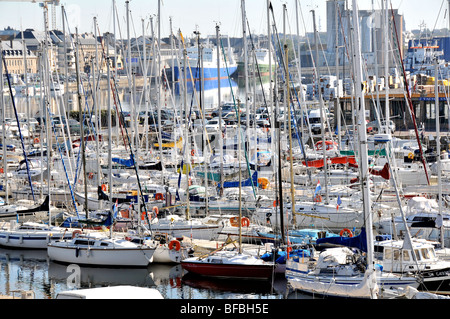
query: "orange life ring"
275, 203
1, 170
234, 221
143, 215
318, 199
91, 175
245, 222
190, 182
175, 243
75, 233
346, 230
159, 196
155, 209
104, 188
36, 140
192, 152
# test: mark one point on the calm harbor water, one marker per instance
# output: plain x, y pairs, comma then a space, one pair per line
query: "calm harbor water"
32, 270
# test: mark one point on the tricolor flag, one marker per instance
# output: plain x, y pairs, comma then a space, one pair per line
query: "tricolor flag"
318, 188
116, 208
339, 202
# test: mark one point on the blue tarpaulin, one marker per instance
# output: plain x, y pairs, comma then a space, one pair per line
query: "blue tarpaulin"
126, 162
359, 241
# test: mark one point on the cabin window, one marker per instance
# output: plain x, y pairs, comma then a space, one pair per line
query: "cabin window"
104, 244
406, 255
425, 253
84, 242
432, 253
396, 254
416, 252
387, 253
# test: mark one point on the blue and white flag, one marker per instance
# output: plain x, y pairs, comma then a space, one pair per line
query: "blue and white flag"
318, 188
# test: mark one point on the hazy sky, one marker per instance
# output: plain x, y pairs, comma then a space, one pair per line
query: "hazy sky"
188, 15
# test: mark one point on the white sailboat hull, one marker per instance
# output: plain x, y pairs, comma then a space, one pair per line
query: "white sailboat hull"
115, 256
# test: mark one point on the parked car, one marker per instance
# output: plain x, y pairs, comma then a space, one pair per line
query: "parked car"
213, 125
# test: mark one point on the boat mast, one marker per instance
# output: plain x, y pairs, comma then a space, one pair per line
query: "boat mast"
438, 151
83, 150
247, 102
3, 109
386, 65
186, 129
322, 113
362, 134
240, 180
289, 116
220, 110
108, 59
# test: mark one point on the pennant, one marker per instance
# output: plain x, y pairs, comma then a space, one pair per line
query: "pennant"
116, 208
318, 188
339, 202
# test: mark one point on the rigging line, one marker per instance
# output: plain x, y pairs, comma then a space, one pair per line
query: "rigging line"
282, 67
410, 101
114, 89
113, 86
313, 65
257, 67
238, 116
18, 125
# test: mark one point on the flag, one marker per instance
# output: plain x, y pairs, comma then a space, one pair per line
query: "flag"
115, 208
339, 202
318, 188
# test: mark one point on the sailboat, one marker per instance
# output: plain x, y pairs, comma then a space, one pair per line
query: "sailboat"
234, 263
340, 272
96, 249
31, 235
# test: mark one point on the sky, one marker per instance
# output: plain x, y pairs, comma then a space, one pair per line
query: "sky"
203, 15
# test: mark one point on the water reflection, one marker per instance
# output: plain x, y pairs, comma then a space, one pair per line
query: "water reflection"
32, 270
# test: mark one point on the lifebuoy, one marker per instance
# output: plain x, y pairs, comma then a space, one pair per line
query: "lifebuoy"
318, 199
159, 196
104, 188
245, 222
175, 243
1, 170
36, 140
275, 203
190, 182
91, 175
155, 210
346, 230
75, 233
192, 152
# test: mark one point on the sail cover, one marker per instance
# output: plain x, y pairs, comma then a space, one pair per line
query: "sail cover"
359, 241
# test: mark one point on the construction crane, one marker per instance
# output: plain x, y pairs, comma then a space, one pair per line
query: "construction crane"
53, 3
